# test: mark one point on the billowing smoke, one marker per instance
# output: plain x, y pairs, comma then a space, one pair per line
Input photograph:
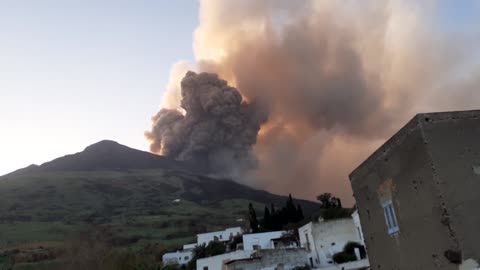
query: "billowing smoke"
216, 132
339, 77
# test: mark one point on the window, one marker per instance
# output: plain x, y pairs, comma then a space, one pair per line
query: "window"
390, 218
186, 258
205, 268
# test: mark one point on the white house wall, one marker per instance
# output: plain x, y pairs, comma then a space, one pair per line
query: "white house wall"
205, 238
263, 240
328, 237
179, 257
358, 226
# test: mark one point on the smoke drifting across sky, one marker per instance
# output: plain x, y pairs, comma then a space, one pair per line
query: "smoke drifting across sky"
339, 77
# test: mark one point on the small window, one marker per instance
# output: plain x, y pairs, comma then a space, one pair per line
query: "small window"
186, 258
390, 217
205, 268
220, 236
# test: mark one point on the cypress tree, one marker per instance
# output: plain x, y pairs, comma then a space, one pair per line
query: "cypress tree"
290, 211
300, 216
267, 219
252, 217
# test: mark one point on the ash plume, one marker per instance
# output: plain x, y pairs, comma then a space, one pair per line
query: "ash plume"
339, 77
217, 130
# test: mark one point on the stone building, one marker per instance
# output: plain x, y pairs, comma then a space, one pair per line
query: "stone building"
418, 195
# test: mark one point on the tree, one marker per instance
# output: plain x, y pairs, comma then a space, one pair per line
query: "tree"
300, 215
337, 202
252, 218
267, 219
327, 201
202, 251
324, 200
272, 209
290, 211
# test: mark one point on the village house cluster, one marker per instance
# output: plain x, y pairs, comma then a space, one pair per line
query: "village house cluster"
319, 241
417, 201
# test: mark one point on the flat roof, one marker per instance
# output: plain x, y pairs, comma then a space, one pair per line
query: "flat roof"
414, 124
243, 260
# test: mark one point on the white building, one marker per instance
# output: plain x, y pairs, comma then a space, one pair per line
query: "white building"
189, 246
270, 259
217, 262
226, 235
256, 241
179, 257
358, 227
323, 239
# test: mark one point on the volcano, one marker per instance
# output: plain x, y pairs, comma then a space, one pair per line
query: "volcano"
131, 191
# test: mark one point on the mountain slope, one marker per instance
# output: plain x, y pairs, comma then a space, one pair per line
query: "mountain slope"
135, 193
107, 155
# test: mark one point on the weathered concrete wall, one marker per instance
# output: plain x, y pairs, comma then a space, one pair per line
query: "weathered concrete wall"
273, 259
217, 262
356, 265
402, 171
453, 140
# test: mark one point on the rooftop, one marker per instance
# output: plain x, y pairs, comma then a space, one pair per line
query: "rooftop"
417, 122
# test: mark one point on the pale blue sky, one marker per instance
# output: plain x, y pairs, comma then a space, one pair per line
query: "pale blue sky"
73, 72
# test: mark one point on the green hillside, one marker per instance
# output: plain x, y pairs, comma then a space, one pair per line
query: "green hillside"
168, 205
47, 206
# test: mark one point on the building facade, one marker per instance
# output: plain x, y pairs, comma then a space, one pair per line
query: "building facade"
358, 226
177, 258
323, 239
418, 195
271, 259
217, 262
256, 241
222, 236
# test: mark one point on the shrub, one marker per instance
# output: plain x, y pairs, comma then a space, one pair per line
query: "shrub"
348, 253
343, 257
351, 246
